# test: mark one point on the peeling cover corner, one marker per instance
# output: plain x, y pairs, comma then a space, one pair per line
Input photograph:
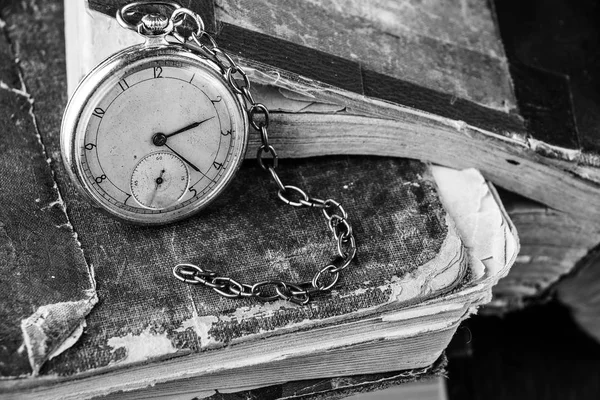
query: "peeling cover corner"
54, 328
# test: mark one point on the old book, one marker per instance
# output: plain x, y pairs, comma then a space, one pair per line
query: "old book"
526, 283
422, 270
554, 241
401, 76
432, 243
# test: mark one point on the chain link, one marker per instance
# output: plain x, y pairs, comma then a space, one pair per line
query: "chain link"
326, 277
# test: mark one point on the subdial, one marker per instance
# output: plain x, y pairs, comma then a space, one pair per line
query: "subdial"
159, 180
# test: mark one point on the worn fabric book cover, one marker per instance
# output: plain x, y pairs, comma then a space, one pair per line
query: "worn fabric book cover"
249, 235
45, 285
117, 320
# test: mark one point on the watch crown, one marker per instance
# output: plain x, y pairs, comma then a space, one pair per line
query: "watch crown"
155, 24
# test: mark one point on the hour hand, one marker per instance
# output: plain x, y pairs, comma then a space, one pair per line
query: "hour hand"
187, 128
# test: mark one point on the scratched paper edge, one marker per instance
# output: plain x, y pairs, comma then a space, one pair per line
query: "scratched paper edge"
454, 187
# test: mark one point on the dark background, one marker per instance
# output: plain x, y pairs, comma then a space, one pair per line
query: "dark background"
536, 353
539, 352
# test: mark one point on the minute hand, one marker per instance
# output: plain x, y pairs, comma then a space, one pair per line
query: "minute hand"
187, 128
183, 158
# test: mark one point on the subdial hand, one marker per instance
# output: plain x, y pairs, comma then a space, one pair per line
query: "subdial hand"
158, 181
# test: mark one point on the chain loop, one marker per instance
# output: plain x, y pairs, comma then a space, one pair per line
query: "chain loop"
269, 149
248, 98
313, 202
281, 194
329, 204
339, 227
258, 115
298, 296
328, 268
264, 136
197, 40
231, 288
278, 181
253, 112
345, 256
257, 293
190, 273
177, 19
230, 75
350, 242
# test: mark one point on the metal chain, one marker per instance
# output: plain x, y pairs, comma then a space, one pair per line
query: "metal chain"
337, 218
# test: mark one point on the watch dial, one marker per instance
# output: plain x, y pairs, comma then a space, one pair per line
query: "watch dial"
160, 140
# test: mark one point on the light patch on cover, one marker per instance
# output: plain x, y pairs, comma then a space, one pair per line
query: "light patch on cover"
353, 293
277, 260
143, 346
395, 286
261, 310
201, 326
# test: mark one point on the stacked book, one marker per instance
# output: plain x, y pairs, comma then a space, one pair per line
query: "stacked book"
453, 85
90, 307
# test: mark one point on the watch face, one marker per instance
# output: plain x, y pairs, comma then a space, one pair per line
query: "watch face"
158, 134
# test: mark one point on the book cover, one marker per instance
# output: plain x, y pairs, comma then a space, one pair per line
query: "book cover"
419, 273
46, 286
127, 258
404, 68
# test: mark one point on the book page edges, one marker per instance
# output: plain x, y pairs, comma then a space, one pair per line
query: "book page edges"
275, 354
484, 225
107, 38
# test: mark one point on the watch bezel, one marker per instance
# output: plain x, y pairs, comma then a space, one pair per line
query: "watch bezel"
118, 65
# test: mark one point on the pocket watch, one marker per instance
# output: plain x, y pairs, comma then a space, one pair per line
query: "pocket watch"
157, 131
